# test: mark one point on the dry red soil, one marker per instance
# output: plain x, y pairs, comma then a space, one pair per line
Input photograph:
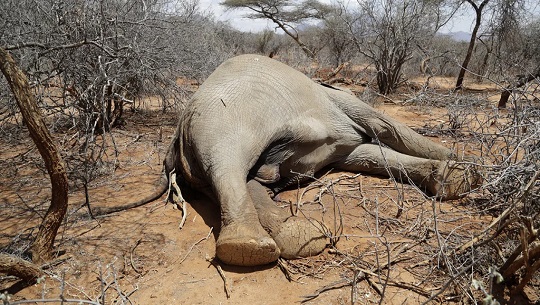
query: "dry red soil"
392, 239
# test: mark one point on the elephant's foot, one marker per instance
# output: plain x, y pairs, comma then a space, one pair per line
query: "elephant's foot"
246, 245
454, 180
300, 237
295, 236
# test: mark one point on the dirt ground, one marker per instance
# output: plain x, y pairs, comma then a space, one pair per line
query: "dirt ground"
392, 249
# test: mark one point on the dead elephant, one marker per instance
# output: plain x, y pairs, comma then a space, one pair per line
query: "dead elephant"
258, 120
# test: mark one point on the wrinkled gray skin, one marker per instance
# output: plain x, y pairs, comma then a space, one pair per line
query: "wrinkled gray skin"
256, 118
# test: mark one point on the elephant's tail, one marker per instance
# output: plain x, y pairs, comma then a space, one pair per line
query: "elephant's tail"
158, 192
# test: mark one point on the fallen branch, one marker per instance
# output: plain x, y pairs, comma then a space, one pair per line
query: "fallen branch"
497, 221
522, 81
365, 274
503, 215
447, 284
16, 266
282, 264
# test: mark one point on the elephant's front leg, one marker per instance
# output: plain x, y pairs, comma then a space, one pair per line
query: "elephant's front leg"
445, 179
242, 241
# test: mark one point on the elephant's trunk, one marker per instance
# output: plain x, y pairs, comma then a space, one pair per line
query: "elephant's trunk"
158, 192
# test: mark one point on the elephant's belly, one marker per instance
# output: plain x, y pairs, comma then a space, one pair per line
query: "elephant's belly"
307, 159
306, 146
299, 161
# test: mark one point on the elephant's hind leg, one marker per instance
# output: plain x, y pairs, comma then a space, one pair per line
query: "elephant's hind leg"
444, 179
295, 236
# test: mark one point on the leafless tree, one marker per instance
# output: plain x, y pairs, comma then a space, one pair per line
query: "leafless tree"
386, 31
286, 15
86, 61
497, 27
97, 57
104, 54
530, 65
478, 9
42, 247
336, 35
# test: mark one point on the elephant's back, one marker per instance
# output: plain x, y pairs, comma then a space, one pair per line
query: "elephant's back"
251, 83
253, 93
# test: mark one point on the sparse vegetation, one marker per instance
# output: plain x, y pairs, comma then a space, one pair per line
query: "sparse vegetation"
110, 76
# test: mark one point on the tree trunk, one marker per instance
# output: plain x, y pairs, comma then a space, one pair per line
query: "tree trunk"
505, 95
465, 64
42, 246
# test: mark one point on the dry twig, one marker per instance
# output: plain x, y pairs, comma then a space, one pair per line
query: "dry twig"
196, 243
132, 263
228, 289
